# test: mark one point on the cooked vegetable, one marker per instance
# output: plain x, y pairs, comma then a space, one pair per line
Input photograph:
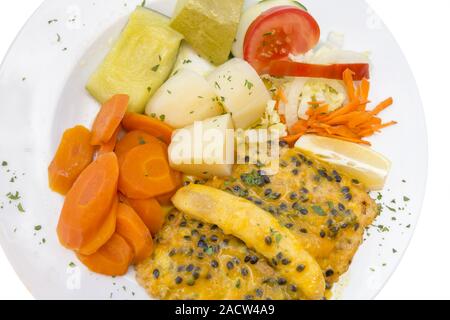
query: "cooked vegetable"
131, 227
151, 213
251, 14
331, 71
241, 92
145, 172
356, 161
166, 199
209, 26
74, 154
352, 122
111, 144
108, 119
277, 33
139, 62
135, 139
183, 99
246, 221
150, 125
113, 259
104, 233
189, 59
88, 204
213, 157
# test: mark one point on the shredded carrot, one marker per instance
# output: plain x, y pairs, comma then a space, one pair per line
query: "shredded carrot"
383, 105
352, 122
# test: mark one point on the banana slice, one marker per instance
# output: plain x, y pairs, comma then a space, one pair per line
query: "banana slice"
259, 230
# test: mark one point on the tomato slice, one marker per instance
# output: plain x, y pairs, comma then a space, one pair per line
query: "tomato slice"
277, 33
332, 71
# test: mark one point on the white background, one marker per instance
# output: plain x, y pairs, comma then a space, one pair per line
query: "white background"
422, 31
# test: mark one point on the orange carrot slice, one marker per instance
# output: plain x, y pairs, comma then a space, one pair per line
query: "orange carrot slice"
152, 126
109, 118
382, 106
145, 173
104, 233
111, 144
151, 213
112, 259
131, 227
88, 203
73, 156
135, 139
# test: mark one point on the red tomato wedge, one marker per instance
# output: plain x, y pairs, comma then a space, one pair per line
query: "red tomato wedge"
277, 33
332, 71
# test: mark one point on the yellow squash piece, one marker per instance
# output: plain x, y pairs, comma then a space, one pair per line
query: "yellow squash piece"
259, 230
140, 61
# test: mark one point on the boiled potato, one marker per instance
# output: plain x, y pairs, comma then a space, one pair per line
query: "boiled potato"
184, 99
241, 91
204, 149
190, 60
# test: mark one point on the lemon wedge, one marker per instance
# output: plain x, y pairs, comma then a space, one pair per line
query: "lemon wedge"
357, 161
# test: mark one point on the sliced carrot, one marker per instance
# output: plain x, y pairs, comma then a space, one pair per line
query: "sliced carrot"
152, 126
145, 173
74, 154
292, 139
112, 259
88, 203
352, 122
382, 106
151, 213
104, 233
166, 199
348, 81
131, 227
109, 118
365, 88
135, 139
111, 144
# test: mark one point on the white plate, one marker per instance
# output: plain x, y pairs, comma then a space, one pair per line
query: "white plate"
42, 93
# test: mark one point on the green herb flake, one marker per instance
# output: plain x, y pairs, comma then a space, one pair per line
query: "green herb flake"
187, 61
4, 163
20, 208
72, 265
406, 199
13, 197
37, 228
248, 84
217, 85
155, 68
391, 209
319, 211
162, 117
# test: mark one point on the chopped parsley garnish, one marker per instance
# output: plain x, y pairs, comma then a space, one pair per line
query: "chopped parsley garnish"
155, 68
20, 208
187, 61
406, 199
319, 210
72, 265
217, 85
162, 117
14, 197
253, 179
4, 163
37, 228
248, 84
